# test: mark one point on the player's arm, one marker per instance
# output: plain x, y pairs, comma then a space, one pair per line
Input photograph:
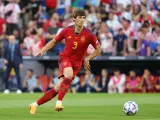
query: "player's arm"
96, 53
53, 42
48, 46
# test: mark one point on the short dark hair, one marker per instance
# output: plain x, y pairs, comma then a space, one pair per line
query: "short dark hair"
31, 70
116, 70
145, 26
78, 12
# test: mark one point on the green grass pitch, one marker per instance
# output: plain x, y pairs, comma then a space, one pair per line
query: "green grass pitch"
80, 107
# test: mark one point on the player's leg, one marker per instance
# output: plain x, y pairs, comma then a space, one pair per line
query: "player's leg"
64, 86
50, 94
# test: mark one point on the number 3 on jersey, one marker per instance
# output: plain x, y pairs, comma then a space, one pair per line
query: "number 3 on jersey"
75, 44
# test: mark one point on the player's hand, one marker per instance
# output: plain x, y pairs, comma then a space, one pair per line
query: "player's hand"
41, 53
87, 64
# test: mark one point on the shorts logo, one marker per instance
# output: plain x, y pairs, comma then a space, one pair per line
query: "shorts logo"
82, 38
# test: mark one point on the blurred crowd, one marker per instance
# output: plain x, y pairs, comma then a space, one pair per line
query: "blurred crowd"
109, 81
123, 27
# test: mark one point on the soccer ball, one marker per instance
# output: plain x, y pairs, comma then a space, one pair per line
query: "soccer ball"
130, 108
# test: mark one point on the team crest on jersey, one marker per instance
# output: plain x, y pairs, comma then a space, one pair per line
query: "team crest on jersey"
82, 38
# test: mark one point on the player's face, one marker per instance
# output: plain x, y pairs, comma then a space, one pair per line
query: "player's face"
79, 21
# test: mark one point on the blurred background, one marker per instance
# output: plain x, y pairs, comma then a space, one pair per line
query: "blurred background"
128, 30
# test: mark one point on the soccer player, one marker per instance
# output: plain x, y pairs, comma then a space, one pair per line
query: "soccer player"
77, 39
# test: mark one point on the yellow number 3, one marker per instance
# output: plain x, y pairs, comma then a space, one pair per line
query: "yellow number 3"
75, 45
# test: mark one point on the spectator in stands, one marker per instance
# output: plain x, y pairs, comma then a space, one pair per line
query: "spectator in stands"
106, 39
52, 30
127, 14
12, 12
157, 85
13, 59
31, 83
56, 18
144, 16
135, 26
60, 46
32, 27
29, 40
155, 39
2, 26
113, 22
39, 42
75, 85
92, 16
25, 15
2, 9
131, 52
156, 34
133, 82
36, 9
89, 83
157, 18
143, 47
117, 82
3, 42
147, 82
51, 6
54, 79
120, 43
27, 43
128, 32
158, 51
103, 81
152, 11
124, 3
68, 12
2, 34
61, 5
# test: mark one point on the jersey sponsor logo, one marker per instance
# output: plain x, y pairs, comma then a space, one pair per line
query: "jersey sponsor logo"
82, 38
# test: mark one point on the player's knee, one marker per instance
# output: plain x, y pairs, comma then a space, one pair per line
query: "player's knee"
69, 75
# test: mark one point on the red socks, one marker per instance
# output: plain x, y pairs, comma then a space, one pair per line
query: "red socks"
64, 86
47, 96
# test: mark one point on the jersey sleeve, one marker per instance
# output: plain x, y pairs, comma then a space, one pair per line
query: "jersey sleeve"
60, 36
94, 40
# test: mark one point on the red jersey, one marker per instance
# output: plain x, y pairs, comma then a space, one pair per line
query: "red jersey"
76, 44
